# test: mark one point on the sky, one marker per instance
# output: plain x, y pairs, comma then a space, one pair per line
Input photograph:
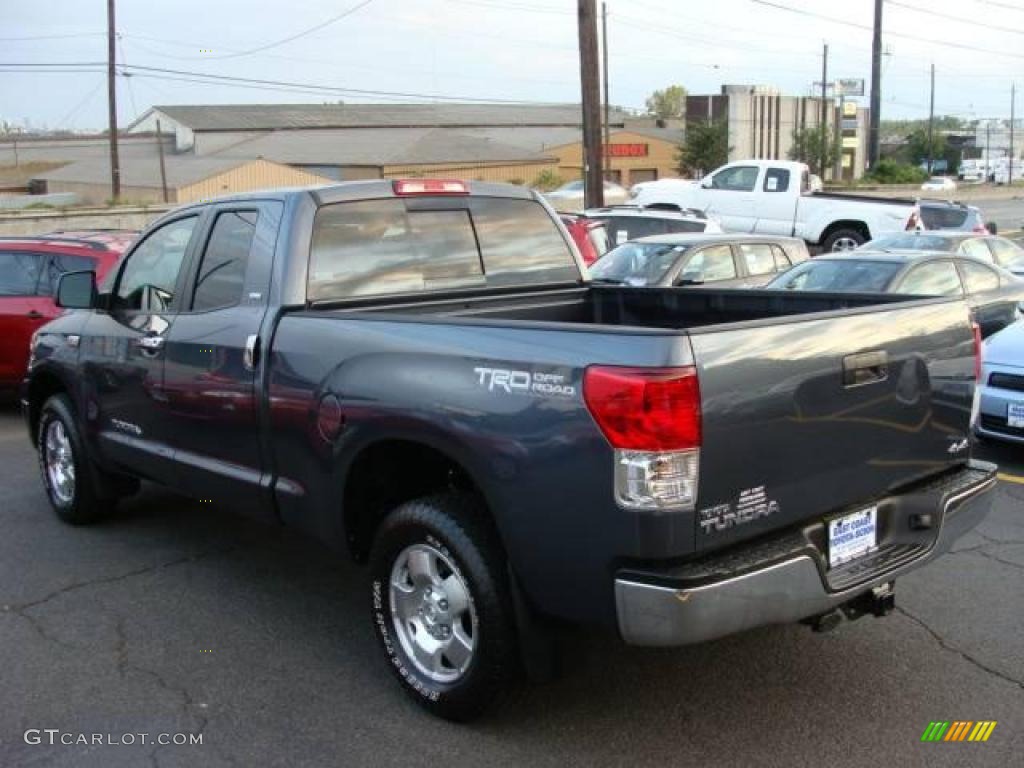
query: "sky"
522, 50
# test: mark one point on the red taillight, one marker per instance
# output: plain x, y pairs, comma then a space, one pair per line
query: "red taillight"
645, 409
977, 351
913, 221
430, 187
980, 230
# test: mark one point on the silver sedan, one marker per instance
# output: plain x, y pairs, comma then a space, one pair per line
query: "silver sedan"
1001, 386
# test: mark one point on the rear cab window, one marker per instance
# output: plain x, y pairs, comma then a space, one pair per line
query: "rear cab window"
399, 246
776, 180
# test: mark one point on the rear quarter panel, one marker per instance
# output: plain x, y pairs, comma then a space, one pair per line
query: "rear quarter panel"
539, 459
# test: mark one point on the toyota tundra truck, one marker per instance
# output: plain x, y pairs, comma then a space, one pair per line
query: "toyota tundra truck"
419, 373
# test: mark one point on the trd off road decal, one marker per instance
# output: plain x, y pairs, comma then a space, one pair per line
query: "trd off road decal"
524, 382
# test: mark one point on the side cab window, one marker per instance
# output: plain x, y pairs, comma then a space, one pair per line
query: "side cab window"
148, 280
739, 178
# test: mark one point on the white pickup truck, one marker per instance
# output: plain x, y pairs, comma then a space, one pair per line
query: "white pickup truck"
773, 197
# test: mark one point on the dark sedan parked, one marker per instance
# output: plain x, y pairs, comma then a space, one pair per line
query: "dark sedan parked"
991, 248
728, 261
992, 293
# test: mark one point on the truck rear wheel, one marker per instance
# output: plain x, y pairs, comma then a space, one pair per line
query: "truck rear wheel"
843, 240
441, 605
67, 474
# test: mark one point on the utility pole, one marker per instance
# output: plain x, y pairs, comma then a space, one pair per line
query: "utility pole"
931, 125
604, 54
163, 169
1013, 116
590, 82
115, 165
824, 113
988, 147
874, 142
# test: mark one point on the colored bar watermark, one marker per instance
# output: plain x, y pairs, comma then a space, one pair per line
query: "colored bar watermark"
958, 730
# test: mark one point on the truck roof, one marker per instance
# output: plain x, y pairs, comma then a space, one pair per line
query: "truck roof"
325, 194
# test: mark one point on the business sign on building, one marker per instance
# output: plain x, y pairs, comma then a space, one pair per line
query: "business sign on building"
850, 109
850, 87
626, 150
850, 142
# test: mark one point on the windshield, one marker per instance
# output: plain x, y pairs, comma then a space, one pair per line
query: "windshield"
911, 241
637, 263
841, 276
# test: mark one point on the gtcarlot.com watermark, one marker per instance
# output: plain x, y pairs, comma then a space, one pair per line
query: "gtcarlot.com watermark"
55, 736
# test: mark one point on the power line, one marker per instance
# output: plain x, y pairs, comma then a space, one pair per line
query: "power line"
856, 25
296, 36
62, 123
328, 88
1007, 6
961, 19
50, 37
329, 62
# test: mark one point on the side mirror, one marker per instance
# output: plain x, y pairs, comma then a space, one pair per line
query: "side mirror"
992, 228
706, 182
691, 278
77, 290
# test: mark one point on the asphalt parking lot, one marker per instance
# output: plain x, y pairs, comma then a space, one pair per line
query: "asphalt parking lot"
170, 617
1007, 214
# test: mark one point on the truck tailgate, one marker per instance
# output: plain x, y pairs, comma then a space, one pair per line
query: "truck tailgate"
819, 414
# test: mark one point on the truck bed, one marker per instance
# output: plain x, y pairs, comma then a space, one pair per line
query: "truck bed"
633, 308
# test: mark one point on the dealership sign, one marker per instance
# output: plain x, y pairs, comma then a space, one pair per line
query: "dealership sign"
626, 150
850, 87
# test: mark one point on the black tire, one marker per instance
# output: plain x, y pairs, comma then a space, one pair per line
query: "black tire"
455, 525
842, 235
84, 505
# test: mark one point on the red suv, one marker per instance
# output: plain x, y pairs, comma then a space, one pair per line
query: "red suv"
29, 269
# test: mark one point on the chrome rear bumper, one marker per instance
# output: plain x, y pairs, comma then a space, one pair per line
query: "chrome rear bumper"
657, 614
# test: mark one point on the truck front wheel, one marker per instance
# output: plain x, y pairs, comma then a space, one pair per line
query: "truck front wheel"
441, 605
843, 240
67, 475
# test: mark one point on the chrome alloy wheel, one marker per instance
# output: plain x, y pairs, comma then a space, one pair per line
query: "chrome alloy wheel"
434, 618
60, 462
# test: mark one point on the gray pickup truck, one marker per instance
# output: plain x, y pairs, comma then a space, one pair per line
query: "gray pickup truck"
419, 373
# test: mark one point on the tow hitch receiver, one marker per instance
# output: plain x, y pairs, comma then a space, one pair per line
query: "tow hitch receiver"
880, 601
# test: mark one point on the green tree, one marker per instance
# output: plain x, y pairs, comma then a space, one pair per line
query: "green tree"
890, 171
916, 150
670, 102
807, 148
547, 180
705, 147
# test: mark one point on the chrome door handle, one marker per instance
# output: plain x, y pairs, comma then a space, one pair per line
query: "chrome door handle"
34, 315
152, 343
251, 356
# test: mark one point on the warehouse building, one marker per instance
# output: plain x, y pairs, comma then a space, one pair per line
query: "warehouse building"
492, 142
189, 178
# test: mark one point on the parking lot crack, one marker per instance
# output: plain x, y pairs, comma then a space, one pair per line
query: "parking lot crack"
945, 645
22, 607
998, 559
